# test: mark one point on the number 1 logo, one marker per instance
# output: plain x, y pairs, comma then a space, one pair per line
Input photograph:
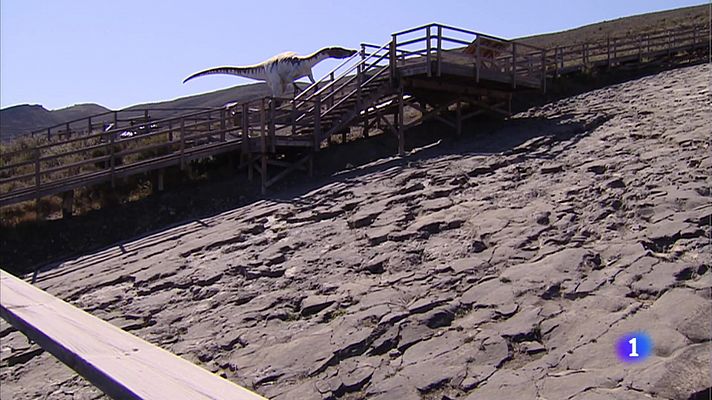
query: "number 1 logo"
634, 347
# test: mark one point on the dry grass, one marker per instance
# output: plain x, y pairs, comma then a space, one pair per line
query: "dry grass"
23, 149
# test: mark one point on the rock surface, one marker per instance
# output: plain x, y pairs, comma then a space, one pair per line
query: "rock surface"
455, 275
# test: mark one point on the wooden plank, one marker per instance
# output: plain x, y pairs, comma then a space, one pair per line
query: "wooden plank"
120, 364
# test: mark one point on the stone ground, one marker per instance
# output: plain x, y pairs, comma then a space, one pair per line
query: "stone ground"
457, 273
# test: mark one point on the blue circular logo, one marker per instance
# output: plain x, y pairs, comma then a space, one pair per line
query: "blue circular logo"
634, 347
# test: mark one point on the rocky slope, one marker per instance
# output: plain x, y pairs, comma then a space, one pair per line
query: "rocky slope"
504, 266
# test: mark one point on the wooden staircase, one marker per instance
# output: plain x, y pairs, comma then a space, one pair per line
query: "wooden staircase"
445, 73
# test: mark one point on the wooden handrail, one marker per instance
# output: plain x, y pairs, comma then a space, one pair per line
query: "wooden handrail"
112, 359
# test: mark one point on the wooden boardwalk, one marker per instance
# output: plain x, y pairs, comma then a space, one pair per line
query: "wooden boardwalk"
446, 73
120, 364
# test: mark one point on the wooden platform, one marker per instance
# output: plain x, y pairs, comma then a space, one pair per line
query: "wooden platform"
120, 364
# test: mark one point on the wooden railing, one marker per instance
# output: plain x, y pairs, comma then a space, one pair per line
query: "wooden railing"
112, 359
119, 119
613, 51
63, 162
438, 44
107, 155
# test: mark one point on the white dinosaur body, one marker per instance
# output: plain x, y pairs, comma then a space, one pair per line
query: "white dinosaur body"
280, 70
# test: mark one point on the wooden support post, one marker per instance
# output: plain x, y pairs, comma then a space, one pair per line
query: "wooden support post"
458, 118
400, 127
145, 116
366, 125
68, 204
250, 167
170, 131
89, 127
263, 175
160, 178
68, 133
116, 120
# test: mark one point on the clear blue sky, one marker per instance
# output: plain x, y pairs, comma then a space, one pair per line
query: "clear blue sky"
118, 53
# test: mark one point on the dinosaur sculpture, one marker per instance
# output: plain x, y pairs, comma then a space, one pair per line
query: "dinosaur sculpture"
280, 70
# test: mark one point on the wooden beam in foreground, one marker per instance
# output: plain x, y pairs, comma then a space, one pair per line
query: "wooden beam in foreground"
120, 364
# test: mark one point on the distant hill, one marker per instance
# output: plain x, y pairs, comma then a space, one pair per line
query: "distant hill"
217, 98
626, 26
24, 118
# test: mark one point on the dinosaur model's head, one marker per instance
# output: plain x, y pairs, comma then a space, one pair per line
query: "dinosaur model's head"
339, 52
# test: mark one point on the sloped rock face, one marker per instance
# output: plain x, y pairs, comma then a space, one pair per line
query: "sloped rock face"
467, 275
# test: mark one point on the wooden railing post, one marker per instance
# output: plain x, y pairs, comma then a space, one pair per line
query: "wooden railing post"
478, 59
49, 133
68, 133
543, 71
245, 129
608, 51
263, 146
317, 124
37, 171
89, 127
294, 117
392, 56
272, 130
514, 65
112, 160
38, 210
359, 82
182, 143
400, 124
584, 62
440, 50
223, 124
427, 52
331, 91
